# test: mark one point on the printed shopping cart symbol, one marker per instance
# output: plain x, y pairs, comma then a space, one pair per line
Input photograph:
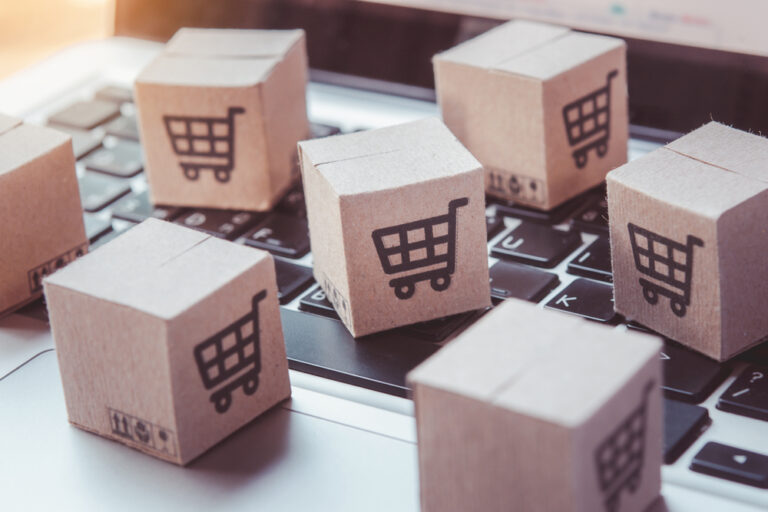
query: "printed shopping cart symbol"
668, 263
427, 244
204, 143
222, 356
619, 458
588, 122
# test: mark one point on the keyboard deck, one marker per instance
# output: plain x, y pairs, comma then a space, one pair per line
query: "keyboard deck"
559, 259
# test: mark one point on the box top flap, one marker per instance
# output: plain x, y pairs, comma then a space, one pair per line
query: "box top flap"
206, 72
546, 364
8, 122
390, 157
211, 42
21, 143
157, 267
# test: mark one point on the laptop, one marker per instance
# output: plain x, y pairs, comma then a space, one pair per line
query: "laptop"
346, 439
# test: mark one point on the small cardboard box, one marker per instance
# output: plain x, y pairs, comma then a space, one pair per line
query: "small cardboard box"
42, 228
535, 410
220, 113
688, 240
168, 339
396, 223
542, 107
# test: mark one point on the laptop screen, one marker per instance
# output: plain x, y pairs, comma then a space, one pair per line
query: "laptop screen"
686, 66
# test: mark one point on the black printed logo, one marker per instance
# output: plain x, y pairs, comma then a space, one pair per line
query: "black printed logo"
36, 275
668, 264
588, 122
619, 458
517, 188
428, 245
204, 143
231, 358
141, 432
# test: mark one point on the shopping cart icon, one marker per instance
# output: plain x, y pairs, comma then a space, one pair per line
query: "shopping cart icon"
588, 122
427, 244
619, 458
668, 263
204, 143
225, 354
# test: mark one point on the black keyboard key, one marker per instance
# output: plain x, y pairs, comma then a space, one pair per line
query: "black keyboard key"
439, 329
594, 261
83, 142
225, 224
316, 301
124, 127
319, 130
537, 245
97, 191
122, 159
323, 346
638, 326
512, 280
593, 218
554, 216
109, 237
586, 298
95, 227
293, 203
493, 225
748, 395
137, 208
85, 115
281, 235
688, 375
683, 424
291, 279
756, 355
115, 94
731, 463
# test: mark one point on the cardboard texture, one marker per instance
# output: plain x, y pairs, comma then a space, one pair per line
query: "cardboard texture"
175, 355
536, 410
704, 197
396, 220
42, 226
240, 94
542, 107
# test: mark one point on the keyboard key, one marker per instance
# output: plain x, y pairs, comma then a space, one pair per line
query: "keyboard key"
520, 281
137, 208
756, 355
555, 216
638, 326
115, 94
733, 464
97, 191
537, 245
85, 115
281, 235
322, 346
109, 237
439, 329
683, 424
316, 302
319, 130
123, 159
493, 225
83, 142
225, 224
291, 279
594, 261
293, 203
688, 375
124, 127
748, 395
586, 298
95, 227
593, 218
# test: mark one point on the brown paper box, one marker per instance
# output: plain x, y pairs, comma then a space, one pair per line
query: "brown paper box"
506, 94
536, 410
42, 227
361, 190
705, 196
247, 88
168, 339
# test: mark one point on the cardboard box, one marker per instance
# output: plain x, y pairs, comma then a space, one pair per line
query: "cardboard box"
536, 410
542, 107
397, 225
240, 94
168, 339
704, 199
42, 228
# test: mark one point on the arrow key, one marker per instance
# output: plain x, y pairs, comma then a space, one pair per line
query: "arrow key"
731, 463
748, 395
586, 298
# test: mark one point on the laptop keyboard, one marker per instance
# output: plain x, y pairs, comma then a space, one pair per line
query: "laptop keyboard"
560, 259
